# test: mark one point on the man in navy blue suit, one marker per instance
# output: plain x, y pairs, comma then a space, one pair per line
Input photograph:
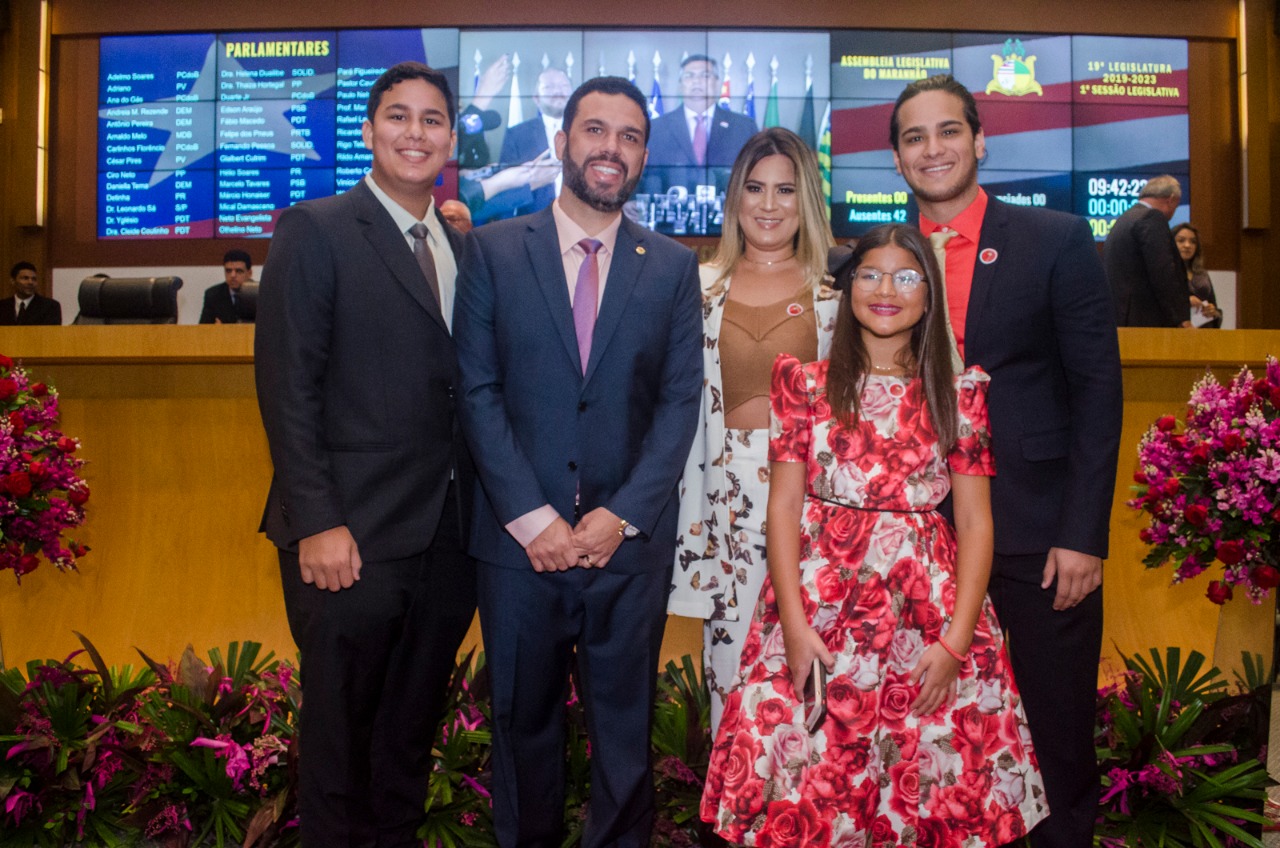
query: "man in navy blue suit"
698, 136
578, 339
1029, 302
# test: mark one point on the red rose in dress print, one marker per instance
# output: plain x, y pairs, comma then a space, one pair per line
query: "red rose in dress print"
788, 825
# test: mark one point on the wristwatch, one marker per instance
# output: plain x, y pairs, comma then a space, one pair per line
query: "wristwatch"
626, 530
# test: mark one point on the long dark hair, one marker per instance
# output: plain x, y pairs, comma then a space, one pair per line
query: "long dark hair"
1196, 264
928, 353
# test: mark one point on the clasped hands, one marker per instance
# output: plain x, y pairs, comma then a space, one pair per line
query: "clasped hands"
589, 545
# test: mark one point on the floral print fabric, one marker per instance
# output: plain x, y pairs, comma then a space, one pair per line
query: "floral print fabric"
877, 582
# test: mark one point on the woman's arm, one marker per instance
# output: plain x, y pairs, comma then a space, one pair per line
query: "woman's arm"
786, 507
971, 497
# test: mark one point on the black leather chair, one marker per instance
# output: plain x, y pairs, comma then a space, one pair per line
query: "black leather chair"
129, 300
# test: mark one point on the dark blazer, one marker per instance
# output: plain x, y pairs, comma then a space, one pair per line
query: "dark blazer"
40, 311
523, 142
359, 409
218, 305
540, 430
1039, 324
671, 148
1147, 277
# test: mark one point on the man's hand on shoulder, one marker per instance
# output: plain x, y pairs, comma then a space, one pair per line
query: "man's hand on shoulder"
553, 548
329, 559
597, 536
1078, 574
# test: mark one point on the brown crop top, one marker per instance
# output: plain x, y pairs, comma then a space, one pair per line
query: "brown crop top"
751, 338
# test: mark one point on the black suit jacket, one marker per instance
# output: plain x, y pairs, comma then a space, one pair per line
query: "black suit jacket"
1039, 323
1148, 279
218, 305
355, 374
40, 311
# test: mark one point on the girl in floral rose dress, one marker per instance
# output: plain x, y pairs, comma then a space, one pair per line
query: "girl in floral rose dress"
925, 742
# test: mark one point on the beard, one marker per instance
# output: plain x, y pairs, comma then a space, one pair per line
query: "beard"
575, 180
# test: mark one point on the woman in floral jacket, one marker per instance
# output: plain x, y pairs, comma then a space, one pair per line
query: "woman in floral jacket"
763, 294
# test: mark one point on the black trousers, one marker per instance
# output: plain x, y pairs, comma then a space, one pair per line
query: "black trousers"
533, 624
1055, 656
376, 663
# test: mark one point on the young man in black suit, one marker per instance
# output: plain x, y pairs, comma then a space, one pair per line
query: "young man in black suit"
1029, 303
369, 504
26, 306
221, 304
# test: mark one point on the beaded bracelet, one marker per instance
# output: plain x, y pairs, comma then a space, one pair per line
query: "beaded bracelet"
952, 651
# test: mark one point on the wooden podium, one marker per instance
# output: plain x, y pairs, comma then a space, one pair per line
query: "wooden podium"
178, 467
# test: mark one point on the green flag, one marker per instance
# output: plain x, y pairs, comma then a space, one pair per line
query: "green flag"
771, 108
824, 156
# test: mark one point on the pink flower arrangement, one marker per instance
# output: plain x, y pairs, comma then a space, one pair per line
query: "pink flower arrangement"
41, 495
1212, 485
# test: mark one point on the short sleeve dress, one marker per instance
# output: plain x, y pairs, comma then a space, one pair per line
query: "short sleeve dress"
877, 565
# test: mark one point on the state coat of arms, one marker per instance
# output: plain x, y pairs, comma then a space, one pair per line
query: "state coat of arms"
1013, 72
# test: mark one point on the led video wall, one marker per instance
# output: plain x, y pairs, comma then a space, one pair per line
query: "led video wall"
211, 135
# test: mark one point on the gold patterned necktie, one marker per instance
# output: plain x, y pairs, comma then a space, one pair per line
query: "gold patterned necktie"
939, 240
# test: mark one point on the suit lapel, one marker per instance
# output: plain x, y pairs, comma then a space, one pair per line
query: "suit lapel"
680, 128
389, 243
995, 232
624, 272
542, 241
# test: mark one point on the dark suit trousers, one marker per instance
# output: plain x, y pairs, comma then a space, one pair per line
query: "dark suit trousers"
1055, 663
532, 625
376, 663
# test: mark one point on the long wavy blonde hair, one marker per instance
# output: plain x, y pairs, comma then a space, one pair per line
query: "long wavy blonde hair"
812, 240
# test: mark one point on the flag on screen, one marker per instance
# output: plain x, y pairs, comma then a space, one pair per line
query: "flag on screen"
771, 108
808, 131
824, 157
655, 101
724, 92
515, 111
749, 105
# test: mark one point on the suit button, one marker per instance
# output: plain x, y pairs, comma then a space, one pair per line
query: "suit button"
573, 466
450, 392
582, 406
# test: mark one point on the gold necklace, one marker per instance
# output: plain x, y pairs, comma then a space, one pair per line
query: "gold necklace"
769, 263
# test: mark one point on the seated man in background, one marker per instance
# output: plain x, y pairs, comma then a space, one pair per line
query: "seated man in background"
221, 302
26, 306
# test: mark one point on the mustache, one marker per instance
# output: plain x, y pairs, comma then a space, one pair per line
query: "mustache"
612, 159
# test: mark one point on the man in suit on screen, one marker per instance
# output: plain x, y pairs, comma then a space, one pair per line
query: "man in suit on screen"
27, 306
1029, 303
222, 304
355, 368
700, 135
578, 344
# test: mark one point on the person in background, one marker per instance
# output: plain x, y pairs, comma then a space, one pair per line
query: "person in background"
1148, 283
1204, 304
764, 293
699, 135
457, 214
221, 302
370, 501
27, 306
924, 737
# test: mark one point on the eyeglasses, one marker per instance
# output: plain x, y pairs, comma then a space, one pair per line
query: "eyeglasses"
905, 280
699, 75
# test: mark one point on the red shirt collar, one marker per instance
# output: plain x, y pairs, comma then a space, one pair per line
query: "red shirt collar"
968, 223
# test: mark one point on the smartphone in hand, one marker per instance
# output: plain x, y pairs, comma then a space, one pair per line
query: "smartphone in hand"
815, 696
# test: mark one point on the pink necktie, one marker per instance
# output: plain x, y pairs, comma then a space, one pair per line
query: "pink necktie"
700, 140
585, 296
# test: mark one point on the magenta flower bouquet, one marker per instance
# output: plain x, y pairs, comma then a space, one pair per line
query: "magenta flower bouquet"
1212, 485
41, 495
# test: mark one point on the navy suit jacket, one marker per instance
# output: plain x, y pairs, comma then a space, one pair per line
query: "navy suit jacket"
671, 160
355, 373
40, 311
541, 430
521, 143
218, 305
1148, 279
1039, 322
